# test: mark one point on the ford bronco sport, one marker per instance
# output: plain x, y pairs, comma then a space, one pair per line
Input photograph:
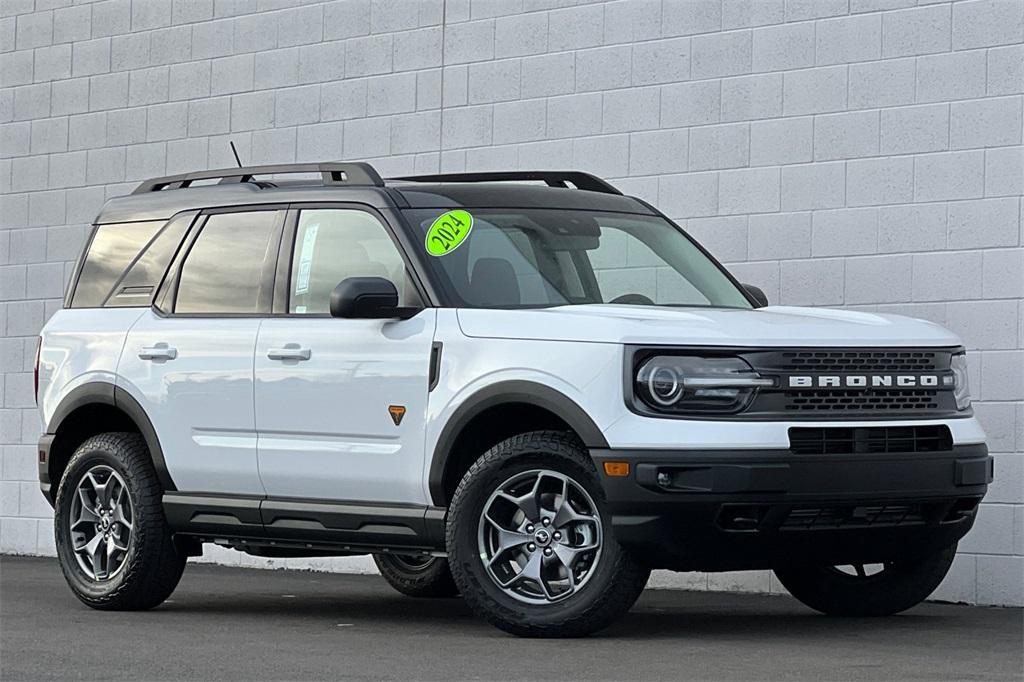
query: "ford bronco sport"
529, 393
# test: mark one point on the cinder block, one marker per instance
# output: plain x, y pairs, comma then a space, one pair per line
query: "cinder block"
69, 97
343, 100
72, 24
992, 532
763, 274
52, 63
1004, 172
721, 146
603, 68
814, 91
209, 116
629, 21
129, 52
846, 135
726, 238
16, 68
32, 101
212, 39
951, 175
49, 135
300, 26
26, 247
658, 152
275, 146
781, 141
983, 23
818, 281
574, 115
18, 536
1005, 71
985, 123
466, 127
747, 13
126, 126
779, 236
947, 276
249, 111
1001, 580
690, 104
882, 84
83, 204
984, 223
233, 74
320, 141
605, 156
720, 54
750, 97
631, 109
908, 130
29, 174
13, 282
301, 105
368, 56
960, 583
813, 186
661, 61
686, 17
788, 46
845, 232
848, 39
574, 28
170, 45
494, 81
191, 11
520, 121
419, 49
15, 138
878, 279
800, 10
888, 180
547, 155
107, 91
999, 422
1003, 275
953, 76
547, 75
521, 35
346, 19
911, 227
984, 324
24, 318
754, 190
369, 137
469, 42
418, 132
428, 89
149, 15
922, 30
189, 81
688, 196
1009, 466
46, 280
34, 30
149, 86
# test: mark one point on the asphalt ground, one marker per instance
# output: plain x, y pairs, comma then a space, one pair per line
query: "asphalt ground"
246, 624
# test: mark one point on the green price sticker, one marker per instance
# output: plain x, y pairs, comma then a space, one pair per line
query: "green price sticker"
448, 232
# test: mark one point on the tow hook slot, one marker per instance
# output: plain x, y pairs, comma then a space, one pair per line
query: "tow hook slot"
715, 478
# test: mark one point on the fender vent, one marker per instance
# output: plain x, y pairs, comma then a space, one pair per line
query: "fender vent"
869, 440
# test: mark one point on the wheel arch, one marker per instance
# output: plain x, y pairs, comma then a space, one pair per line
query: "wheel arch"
490, 411
93, 408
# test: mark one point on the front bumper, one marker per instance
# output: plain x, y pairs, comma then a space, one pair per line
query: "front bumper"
722, 510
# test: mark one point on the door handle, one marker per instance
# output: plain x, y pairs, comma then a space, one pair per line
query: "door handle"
160, 351
291, 351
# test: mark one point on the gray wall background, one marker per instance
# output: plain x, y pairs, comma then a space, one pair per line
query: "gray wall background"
857, 153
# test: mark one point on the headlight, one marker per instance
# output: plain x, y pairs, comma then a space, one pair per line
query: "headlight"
693, 384
961, 389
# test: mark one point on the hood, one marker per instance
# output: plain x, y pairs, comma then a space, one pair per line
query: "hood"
773, 326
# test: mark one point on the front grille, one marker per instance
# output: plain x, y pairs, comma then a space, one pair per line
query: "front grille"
870, 439
859, 361
837, 400
806, 518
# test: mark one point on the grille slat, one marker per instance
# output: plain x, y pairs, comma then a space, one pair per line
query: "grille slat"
869, 440
839, 400
805, 518
859, 361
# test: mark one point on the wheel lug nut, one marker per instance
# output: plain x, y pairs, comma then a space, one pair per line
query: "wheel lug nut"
531, 547
546, 521
547, 551
557, 536
529, 528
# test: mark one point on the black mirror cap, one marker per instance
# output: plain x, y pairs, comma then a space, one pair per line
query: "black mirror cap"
757, 294
367, 298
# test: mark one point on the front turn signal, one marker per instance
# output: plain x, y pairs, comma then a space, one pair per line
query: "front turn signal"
617, 469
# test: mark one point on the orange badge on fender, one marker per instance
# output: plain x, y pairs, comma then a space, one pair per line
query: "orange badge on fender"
396, 412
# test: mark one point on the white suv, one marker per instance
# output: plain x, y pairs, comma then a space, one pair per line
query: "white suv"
529, 393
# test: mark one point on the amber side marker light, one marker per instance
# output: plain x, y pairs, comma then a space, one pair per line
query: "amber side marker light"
616, 468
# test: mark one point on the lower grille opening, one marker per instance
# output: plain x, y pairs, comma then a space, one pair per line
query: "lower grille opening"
806, 518
827, 400
869, 439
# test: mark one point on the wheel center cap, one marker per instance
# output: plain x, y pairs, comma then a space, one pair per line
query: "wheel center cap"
542, 537
105, 523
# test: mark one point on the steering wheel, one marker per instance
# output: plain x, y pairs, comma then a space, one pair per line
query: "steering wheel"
632, 299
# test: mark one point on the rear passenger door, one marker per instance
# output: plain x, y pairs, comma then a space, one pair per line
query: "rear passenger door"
189, 360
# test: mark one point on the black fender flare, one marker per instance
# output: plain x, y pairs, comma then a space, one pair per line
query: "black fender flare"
508, 392
106, 393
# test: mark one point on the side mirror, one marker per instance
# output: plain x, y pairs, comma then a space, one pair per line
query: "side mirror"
367, 298
756, 294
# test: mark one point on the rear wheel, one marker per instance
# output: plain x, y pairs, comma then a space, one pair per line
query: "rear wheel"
417, 575
113, 542
530, 544
868, 589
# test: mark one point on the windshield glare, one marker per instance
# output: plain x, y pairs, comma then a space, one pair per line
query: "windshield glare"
523, 258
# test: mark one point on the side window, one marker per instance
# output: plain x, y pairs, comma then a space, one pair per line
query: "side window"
143, 276
113, 248
334, 244
224, 270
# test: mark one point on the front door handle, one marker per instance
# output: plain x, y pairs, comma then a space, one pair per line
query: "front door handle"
291, 351
160, 351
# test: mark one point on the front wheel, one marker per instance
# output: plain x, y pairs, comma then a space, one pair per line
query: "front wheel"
530, 544
867, 589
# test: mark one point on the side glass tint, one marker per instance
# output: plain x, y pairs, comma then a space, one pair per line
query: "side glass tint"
144, 275
224, 270
334, 244
113, 248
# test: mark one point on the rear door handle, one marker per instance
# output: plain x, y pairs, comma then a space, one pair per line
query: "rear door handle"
291, 351
160, 351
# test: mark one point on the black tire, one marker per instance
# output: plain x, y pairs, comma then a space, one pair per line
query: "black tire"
612, 588
152, 564
417, 576
898, 587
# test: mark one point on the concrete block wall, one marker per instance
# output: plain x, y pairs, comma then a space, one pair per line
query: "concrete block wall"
857, 153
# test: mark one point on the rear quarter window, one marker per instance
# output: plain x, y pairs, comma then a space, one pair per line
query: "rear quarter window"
112, 249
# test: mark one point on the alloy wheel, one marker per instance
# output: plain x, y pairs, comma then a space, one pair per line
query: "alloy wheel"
100, 523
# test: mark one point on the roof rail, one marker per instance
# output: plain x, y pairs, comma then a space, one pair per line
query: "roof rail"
333, 174
581, 180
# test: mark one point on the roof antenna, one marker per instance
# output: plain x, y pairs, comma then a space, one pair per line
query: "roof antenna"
235, 152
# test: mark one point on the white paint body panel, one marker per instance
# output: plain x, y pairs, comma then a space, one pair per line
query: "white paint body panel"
323, 423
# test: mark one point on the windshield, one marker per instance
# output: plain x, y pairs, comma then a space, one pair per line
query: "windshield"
524, 258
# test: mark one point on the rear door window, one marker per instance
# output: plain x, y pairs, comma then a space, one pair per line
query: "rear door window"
113, 247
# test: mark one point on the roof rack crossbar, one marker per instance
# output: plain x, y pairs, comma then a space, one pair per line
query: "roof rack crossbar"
579, 179
362, 174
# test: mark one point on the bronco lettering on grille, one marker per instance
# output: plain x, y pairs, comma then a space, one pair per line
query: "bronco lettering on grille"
866, 381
